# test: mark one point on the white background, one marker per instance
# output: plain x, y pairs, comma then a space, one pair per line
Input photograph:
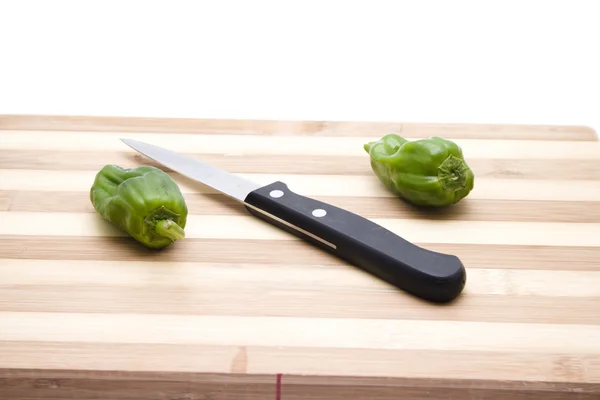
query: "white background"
413, 61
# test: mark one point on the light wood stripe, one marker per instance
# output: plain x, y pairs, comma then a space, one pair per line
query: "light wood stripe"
248, 227
297, 164
430, 365
200, 289
504, 131
62, 357
228, 330
320, 185
287, 128
203, 276
263, 252
423, 364
287, 301
373, 207
316, 146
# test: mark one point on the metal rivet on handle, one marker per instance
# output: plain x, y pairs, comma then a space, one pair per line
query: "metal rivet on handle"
319, 212
276, 193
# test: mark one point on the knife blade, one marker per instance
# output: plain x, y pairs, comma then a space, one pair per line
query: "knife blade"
421, 272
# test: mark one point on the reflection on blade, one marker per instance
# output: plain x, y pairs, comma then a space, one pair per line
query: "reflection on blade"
218, 179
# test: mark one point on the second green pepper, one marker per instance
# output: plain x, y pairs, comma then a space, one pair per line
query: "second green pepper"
428, 172
144, 202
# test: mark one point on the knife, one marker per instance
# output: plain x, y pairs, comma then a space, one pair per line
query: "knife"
426, 274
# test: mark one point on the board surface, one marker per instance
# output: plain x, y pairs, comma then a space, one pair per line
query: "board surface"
242, 310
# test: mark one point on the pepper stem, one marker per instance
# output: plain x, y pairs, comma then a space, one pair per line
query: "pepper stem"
169, 229
452, 174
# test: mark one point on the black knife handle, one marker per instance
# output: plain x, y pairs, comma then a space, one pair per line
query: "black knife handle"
424, 273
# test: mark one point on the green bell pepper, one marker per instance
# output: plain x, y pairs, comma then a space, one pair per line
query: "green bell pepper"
428, 172
144, 202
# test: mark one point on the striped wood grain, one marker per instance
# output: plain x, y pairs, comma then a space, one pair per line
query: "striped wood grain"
245, 227
562, 169
372, 207
315, 146
293, 128
363, 186
86, 311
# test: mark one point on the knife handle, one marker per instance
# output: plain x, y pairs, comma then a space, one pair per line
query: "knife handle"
424, 273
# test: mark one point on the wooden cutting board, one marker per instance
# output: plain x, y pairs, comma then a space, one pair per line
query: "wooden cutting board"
242, 310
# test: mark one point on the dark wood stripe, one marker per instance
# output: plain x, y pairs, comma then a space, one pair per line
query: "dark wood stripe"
295, 252
98, 381
290, 127
228, 387
291, 300
473, 390
297, 164
371, 207
91, 373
